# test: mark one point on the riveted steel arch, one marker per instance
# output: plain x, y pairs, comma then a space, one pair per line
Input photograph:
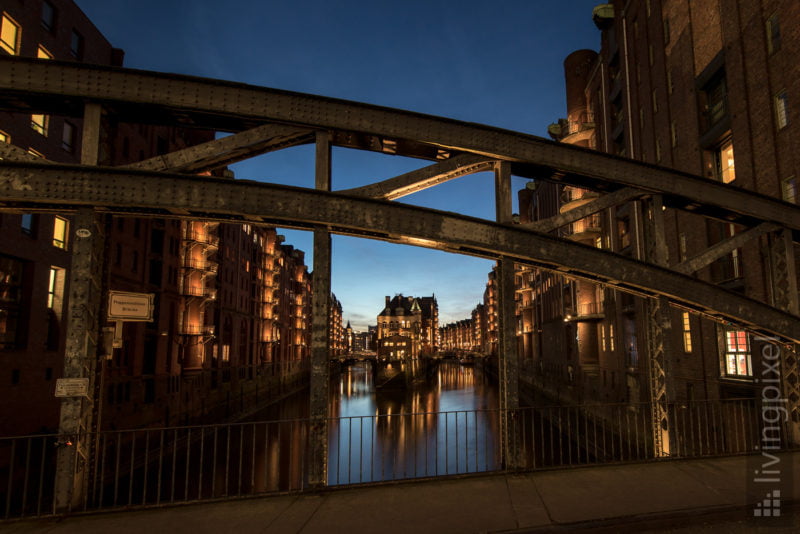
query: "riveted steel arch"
58, 187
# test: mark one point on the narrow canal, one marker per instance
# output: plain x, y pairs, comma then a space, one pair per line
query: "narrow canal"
447, 424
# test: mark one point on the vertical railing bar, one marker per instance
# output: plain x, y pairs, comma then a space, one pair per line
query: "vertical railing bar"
361, 449
475, 425
214, 465
9, 493
200, 465
586, 435
458, 465
133, 464
446, 443
99, 472
560, 437
720, 429
116, 470
226, 488
383, 452
349, 450
253, 462
628, 432
146, 467
594, 430
174, 464
26, 477
693, 448
618, 408
160, 467
266, 455
569, 436
41, 477
372, 427
241, 460
188, 460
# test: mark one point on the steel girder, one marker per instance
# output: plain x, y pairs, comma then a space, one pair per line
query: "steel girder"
50, 187
28, 85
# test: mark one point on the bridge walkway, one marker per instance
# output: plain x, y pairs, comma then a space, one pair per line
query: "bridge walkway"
705, 495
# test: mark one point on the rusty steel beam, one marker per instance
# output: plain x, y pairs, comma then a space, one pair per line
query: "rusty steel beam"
15, 153
604, 202
43, 80
423, 178
64, 187
227, 150
722, 248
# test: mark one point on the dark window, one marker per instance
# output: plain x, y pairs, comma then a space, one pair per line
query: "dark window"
157, 241
135, 262
118, 255
773, 34
48, 373
76, 45
137, 227
49, 16
715, 93
11, 272
15, 376
156, 268
162, 146
28, 224
68, 137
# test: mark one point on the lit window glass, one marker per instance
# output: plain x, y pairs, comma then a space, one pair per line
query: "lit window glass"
789, 190
726, 171
34, 152
9, 35
4, 137
737, 353
687, 333
51, 287
60, 226
781, 110
39, 123
42, 53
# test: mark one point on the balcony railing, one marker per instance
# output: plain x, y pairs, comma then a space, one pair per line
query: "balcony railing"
202, 237
201, 265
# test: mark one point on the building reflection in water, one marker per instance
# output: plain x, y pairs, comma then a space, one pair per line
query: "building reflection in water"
447, 425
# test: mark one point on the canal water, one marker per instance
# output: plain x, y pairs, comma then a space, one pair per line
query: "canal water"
444, 425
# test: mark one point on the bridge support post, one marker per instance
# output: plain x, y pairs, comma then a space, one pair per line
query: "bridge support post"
320, 335
508, 358
82, 339
659, 334
785, 296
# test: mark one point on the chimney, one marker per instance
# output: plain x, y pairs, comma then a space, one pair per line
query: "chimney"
387, 301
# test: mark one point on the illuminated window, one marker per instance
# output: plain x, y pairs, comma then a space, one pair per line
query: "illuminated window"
34, 152
39, 123
687, 333
60, 228
48, 16
9, 35
737, 353
789, 190
781, 110
602, 337
724, 169
68, 137
51, 287
42, 53
4, 137
76, 45
611, 337
773, 34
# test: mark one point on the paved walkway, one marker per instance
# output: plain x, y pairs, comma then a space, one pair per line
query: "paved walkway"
682, 496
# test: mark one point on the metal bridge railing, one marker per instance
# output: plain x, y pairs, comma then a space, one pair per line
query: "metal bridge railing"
153, 467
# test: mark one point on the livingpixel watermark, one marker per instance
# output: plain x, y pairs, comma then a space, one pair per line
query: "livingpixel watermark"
770, 475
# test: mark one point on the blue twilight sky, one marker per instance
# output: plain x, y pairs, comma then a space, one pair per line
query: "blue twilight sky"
496, 62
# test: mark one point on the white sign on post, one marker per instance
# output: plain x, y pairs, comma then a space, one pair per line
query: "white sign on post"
125, 306
72, 387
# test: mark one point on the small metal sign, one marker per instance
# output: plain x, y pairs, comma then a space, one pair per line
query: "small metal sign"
124, 306
72, 387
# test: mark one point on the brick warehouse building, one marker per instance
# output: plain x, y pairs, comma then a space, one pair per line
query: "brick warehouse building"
232, 304
702, 87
